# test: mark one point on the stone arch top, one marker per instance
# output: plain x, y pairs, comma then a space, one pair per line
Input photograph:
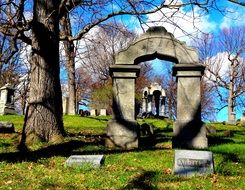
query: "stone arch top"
156, 42
154, 87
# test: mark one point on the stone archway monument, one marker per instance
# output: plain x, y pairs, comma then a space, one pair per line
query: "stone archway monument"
189, 131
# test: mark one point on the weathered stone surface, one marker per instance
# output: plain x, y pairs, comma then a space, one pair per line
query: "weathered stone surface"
189, 130
93, 112
232, 118
103, 112
122, 129
191, 162
65, 105
243, 118
122, 134
79, 160
211, 130
7, 100
157, 42
6, 127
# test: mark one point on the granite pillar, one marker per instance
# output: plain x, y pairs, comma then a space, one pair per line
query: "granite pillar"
189, 130
149, 105
144, 105
122, 129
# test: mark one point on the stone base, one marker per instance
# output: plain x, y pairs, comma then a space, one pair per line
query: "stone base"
196, 143
7, 111
6, 127
122, 134
189, 135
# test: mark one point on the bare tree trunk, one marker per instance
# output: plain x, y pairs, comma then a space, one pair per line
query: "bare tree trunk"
231, 103
70, 65
44, 114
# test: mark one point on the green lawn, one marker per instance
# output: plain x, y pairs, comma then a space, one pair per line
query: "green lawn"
148, 167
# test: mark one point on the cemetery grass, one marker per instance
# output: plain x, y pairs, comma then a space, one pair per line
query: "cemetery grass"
149, 167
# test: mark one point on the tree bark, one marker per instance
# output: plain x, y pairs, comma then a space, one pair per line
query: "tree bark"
44, 114
70, 65
231, 103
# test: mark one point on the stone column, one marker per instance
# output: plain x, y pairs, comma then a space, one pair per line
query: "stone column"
157, 104
144, 105
149, 105
162, 106
122, 129
189, 130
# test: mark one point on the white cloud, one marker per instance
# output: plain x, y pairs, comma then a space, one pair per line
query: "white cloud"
183, 24
234, 18
219, 64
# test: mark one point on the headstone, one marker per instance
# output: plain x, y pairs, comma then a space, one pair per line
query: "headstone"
243, 118
79, 160
210, 130
232, 120
93, 112
65, 105
6, 127
192, 162
102, 112
7, 100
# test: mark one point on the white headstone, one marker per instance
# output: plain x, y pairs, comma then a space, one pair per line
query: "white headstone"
192, 162
79, 160
7, 100
103, 112
93, 112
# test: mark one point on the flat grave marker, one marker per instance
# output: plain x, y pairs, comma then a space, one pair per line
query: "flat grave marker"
79, 160
193, 162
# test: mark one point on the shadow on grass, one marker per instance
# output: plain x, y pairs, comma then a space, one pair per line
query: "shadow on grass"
230, 164
144, 181
217, 140
158, 136
4, 145
147, 178
98, 118
77, 145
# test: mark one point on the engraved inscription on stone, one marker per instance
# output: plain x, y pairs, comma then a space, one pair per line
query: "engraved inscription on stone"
78, 160
192, 162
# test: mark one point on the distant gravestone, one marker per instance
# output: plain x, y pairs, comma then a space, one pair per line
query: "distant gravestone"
65, 105
93, 112
79, 160
243, 118
192, 162
6, 127
102, 112
7, 100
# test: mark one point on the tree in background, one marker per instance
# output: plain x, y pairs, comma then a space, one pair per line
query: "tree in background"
69, 50
223, 56
101, 96
100, 55
84, 84
14, 70
102, 47
9, 64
